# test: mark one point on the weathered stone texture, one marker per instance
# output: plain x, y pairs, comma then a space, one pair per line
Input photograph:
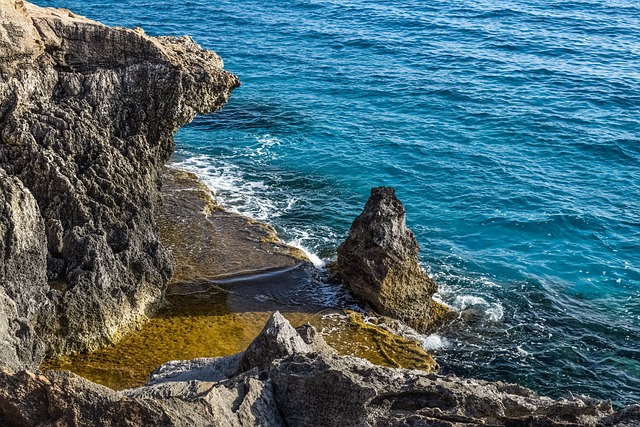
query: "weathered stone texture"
87, 117
379, 263
289, 385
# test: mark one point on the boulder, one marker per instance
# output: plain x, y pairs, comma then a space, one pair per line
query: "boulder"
277, 340
379, 263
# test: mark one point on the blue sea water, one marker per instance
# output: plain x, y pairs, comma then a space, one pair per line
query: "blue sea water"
510, 129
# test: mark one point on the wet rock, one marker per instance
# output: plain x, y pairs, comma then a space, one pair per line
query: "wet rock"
297, 388
379, 263
209, 243
87, 117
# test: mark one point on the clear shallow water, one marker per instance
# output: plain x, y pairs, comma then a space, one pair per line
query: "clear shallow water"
511, 131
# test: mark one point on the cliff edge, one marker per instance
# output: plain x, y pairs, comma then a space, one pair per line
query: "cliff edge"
87, 117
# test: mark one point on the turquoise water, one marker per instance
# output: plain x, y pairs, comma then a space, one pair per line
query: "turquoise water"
510, 130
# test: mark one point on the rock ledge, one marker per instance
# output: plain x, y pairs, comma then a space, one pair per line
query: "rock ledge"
290, 377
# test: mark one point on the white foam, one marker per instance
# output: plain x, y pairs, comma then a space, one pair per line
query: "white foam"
315, 259
264, 147
297, 242
493, 310
434, 342
252, 198
522, 352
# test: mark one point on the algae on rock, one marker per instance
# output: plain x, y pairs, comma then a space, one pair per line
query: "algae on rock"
290, 377
379, 263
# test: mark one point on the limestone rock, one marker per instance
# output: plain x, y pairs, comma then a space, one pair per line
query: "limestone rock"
322, 390
210, 369
627, 417
277, 340
87, 117
298, 388
379, 263
63, 398
22, 274
18, 37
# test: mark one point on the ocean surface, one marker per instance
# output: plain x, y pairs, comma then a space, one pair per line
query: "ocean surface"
510, 130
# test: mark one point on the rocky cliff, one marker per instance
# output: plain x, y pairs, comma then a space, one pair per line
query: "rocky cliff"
87, 117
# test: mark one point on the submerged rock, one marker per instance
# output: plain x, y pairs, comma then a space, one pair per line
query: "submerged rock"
209, 243
379, 263
290, 384
87, 117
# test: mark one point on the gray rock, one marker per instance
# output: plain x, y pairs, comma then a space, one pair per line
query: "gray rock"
323, 390
63, 398
299, 388
87, 117
22, 274
627, 417
202, 369
379, 263
277, 340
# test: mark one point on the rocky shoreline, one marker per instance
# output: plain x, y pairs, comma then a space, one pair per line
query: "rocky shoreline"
87, 117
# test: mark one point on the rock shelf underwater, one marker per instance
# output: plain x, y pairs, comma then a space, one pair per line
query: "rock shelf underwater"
87, 117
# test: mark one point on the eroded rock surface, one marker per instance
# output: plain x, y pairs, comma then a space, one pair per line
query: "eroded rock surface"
87, 117
291, 384
22, 294
379, 263
209, 243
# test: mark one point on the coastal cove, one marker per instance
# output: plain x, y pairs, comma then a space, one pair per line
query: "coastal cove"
232, 273
509, 132
382, 226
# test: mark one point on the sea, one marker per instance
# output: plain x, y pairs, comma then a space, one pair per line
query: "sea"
510, 130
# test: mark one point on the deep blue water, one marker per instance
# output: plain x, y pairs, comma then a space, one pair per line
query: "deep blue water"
510, 130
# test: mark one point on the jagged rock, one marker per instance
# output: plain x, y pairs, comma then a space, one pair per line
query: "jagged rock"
87, 117
323, 390
627, 417
210, 369
244, 400
379, 263
23, 283
63, 398
314, 340
277, 340
302, 388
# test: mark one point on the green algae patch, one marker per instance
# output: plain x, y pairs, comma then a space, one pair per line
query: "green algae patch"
219, 324
352, 335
